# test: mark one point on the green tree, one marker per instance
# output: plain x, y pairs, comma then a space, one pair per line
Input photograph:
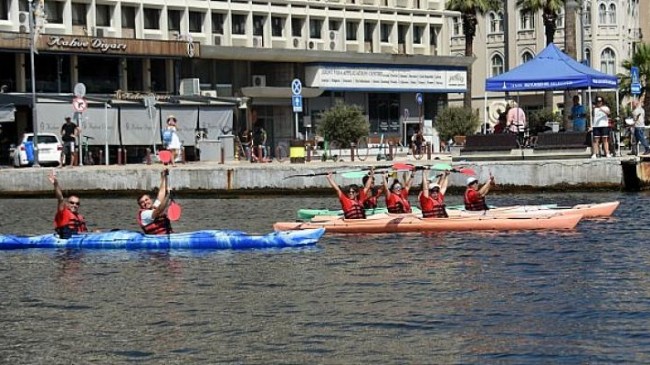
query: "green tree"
640, 59
550, 10
343, 123
469, 11
457, 121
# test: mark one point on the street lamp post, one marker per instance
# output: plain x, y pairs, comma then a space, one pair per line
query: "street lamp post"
32, 36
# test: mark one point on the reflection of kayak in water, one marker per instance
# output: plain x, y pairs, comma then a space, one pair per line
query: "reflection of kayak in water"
208, 239
393, 223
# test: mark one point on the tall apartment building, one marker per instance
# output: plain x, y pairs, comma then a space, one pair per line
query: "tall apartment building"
606, 32
373, 53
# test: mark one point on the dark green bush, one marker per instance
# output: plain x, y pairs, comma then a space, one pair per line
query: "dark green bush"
537, 120
456, 121
343, 123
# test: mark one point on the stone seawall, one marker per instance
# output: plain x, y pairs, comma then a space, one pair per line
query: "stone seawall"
575, 174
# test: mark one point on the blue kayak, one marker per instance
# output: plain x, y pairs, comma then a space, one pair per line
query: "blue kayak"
129, 240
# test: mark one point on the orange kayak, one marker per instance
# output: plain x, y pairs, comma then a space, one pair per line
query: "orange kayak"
392, 223
594, 210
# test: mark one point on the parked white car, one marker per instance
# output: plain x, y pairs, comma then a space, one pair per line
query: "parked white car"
49, 150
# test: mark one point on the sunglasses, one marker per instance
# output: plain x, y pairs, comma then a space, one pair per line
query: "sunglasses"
74, 203
352, 192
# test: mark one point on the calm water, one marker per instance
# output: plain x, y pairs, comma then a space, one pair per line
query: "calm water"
571, 297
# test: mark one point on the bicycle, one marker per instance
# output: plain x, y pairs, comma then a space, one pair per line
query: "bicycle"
241, 151
362, 149
281, 153
334, 151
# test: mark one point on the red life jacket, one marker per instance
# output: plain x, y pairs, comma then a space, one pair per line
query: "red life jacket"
434, 208
160, 225
397, 204
475, 205
67, 223
352, 208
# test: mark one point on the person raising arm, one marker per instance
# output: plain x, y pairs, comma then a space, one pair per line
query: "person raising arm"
432, 197
397, 196
67, 220
152, 216
350, 203
474, 197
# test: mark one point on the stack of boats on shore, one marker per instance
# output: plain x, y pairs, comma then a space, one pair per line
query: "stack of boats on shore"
521, 217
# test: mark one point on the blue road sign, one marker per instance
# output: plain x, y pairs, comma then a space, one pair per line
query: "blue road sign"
418, 98
296, 101
634, 74
635, 89
296, 87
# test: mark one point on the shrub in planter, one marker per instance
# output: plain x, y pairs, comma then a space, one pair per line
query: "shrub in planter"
456, 121
537, 120
343, 123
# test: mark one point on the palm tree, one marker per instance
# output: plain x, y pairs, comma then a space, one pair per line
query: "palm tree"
640, 59
550, 10
469, 11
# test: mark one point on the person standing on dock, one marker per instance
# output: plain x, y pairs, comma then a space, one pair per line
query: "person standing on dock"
69, 134
600, 128
152, 216
638, 114
578, 115
67, 220
474, 197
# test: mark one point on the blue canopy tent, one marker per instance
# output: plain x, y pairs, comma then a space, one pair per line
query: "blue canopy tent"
551, 69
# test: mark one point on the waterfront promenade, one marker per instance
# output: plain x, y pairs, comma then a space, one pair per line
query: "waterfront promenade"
263, 178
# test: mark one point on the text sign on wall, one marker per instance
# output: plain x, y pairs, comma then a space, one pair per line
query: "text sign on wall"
385, 78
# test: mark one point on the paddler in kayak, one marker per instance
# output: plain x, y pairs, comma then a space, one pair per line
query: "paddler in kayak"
67, 220
350, 202
152, 215
432, 197
397, 196
370, 193
475, 197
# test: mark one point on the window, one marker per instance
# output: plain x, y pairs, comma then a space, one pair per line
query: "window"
103, 15
418, 31
54, 11
587, 15
384, 32
433, 35
612, 13
238, 24
368, 30
527, 56
296, 26
401, 33
608, 62
559, 22
174, 20
384, 113
457, 27
334, 25
315, 28
128, 17
277, 26
497, 65
196, 22
4, 9
496, 22
258, 25
78, 14
526, 20
351, 30
602, 14
587, 59
217, 23
151, 18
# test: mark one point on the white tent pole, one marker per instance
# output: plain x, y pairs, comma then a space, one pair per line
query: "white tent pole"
485, 112
618, 117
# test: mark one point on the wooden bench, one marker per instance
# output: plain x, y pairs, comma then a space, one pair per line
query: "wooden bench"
490, 142
562, 141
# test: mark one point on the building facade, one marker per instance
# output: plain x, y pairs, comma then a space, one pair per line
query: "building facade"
606, 34
374, 53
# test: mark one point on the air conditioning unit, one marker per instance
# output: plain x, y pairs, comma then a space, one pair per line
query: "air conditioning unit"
218, 39
297, 42
209, 93
258, 41
190, 87
334, 41
259, 80
101, 32
314, 45
23, 20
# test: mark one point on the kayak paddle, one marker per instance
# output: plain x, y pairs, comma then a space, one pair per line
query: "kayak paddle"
173, 210
165, 156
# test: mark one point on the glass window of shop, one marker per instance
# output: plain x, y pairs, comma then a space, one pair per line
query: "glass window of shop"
383, 113
103, 15
8, 71
158, 75
196, 21
134, 75
151, 18
52, 74
99, 73
78, 14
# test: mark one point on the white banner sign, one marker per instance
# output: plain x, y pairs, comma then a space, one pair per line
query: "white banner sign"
385, 79
94, 122
138, 128
215, 121
186, 119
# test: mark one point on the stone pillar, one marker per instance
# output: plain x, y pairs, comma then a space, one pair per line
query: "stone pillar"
74, 69
22, 64
146, 74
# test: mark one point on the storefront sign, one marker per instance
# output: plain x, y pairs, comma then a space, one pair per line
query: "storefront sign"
102, 45
385, 78
122, 95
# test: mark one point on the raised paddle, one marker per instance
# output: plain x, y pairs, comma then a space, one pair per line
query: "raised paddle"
173, 210
395, 166
165, 156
